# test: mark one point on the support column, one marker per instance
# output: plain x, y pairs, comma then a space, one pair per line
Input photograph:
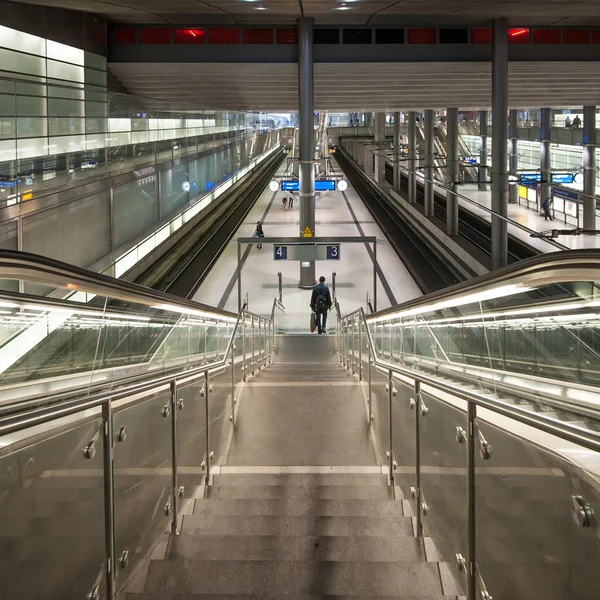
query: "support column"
499, 141
429, 203
452, 172
379, 152
545, 161
513, 155
483, 133
368, 159
412, 156
589, 167
397, 146
306, 100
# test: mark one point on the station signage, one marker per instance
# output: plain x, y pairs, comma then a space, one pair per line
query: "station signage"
529, 178
305, 252
321, 185
563, 178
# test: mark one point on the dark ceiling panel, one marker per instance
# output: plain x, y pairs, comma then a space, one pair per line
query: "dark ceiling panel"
415, 13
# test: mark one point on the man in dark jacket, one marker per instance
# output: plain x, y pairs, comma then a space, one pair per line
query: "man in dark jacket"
320, 303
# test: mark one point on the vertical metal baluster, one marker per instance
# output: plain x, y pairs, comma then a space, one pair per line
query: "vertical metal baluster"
232, 359
391, 343
391, 456
353, 346
244, 346
370, 402
265, 342
205, 340
418, 457
174, 451
207, 428
360, 367
348, 347
472, 570
109, 509
252, 360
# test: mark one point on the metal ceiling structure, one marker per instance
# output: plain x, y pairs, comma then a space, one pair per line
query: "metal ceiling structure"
361, 86
341, 12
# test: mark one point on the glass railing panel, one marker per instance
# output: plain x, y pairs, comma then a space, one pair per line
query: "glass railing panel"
52, 507
191, 436
143, 479
381, 413
404, 438
530, 539
220, 409
443, 429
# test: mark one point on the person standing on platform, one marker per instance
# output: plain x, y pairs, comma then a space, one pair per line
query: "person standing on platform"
568, 122
320, 303
546, 208
576, 122
259, 233
291, 202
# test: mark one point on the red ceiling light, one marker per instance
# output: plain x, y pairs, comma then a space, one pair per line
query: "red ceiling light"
518, 36
515, 32
189, 36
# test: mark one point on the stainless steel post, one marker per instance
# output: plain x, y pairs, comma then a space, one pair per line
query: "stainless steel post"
412, 157
353, 346
513, 154
360, 367
483, 156
589, 167
174, 452
307, 139
109, 515
499, 141
391, 453
280, 287
472, 571
452, 172
545, 159
232, 358
375, 276
252, 360
370, 399
239, 276
397, 146
428, 183
207, 427
391, 345
418, 458
244, 347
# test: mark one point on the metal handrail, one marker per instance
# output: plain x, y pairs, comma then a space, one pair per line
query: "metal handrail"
588, 439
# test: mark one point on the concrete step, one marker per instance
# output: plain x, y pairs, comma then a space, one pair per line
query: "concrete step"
318, 492
299, 507
302, 479
297, 548
306, 577
201, 525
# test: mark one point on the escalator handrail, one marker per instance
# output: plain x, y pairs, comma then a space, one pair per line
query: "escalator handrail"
568, 266
587, 438
56, 274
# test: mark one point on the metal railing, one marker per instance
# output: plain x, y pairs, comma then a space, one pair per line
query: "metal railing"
133, 454
433, 409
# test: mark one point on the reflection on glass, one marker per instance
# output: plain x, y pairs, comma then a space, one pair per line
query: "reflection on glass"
52, 507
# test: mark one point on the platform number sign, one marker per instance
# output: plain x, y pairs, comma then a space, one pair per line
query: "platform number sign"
333, 252
280, 252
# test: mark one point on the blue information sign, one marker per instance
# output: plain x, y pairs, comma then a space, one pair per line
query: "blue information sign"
563, 177
323, 185
280, 252
566, 194
333, 252
530, 178
472, 160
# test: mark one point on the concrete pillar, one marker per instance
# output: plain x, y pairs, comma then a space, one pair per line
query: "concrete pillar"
397, 146
589, 167
499, 141
483, 134
452, 172
368, 158
412, 157
545, 159
306, 101
429, 202
379, 149
513, 155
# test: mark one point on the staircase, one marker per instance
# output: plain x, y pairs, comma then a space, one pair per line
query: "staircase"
295, 530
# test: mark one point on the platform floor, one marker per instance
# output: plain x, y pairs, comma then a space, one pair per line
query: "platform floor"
531, 219
337, 214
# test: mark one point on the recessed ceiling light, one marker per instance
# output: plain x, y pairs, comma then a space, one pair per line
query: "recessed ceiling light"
261, 8
343, 7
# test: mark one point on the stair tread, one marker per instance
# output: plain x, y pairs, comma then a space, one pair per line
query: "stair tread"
296, 525
304, 479
300, 506
305, 577
297, 548
323, 492
284, 596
